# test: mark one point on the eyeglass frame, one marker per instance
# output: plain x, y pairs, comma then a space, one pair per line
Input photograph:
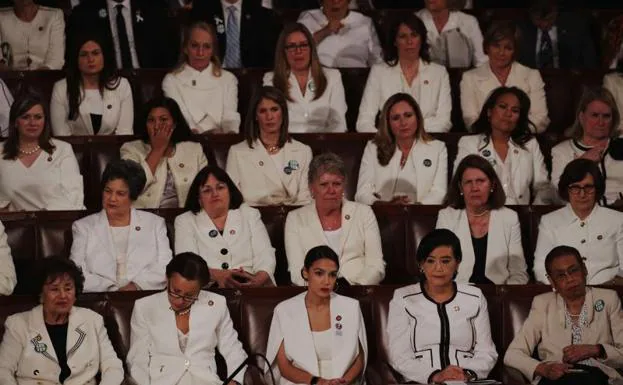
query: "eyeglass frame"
185, 298
293, 47
588, 189
561, 276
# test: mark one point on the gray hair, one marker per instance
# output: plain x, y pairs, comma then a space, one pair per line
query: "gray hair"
327, 162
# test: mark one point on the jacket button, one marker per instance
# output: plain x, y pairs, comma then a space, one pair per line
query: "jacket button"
225, 266
181, 165
521, 196
583, 241
582, 224
223, 251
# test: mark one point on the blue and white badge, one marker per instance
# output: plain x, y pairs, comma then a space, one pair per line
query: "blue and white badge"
287, 170
311, 86
293, 165
39, 346
220, 26
486, 153
599, 305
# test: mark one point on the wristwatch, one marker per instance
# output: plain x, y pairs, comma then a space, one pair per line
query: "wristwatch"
314, 380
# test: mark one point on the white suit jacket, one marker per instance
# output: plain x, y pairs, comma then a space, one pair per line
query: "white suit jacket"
6, 100
42, 40
325, 114
528, 167
155, 357
27, 356
207, 102
187, 160
148, 251
361, 255
243, 244
426, 172
434, 99
290, 326
415, 324
117, 119
52, 182
598, 238
478, 83
261, 183
505, 263
566, 151
8, 279
545, 330
614, 83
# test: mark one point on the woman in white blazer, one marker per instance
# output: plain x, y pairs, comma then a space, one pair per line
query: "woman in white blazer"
501, 43
8, 279
205, 92
226, 232
439, 330
489, 232
269, 167
6, 99
595, 137
34, 37
408, 69
613, 82
402, 164
595, 231
92, 99
315, 95
459, 41
167, 153
166, 348
36, 171
121, 248
57, 342
349, 228
318, 337
502, 136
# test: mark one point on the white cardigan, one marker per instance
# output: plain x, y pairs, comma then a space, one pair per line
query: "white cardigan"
361, 255
148, 251
325, 114
155, 357
185, 163
42, 40
505, 263
259, 180
27, 356
478, 83
208, 103
613, 82
117, 119
290, 327
425, 172
434, 96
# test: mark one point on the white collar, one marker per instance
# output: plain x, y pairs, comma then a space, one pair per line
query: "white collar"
226, 5
112, 4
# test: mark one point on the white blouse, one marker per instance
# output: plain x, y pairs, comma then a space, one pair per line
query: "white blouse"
208, 103
325, 114
39, 43
52, 182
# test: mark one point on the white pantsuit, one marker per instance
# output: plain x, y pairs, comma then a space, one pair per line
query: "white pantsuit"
431, 90
155, 357
598, 238
187, 160
424, 177
478, 83
360, 252
35, 44
148, 251
208, 102
262, 182
117, 118
27, 356
244, 243
290, 327
613, 82
308, 114
527, 168
52, 182
414, 326
8, 279
505, 263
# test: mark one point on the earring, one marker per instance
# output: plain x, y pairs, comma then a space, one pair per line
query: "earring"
492, 190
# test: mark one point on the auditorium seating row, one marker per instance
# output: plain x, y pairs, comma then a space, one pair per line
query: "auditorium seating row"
251, 311
36, 235
563, 90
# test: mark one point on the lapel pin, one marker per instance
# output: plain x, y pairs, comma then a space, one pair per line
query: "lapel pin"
287, 170
232, 232
40, 29
137, 228
427, 162
210, 303
599, 305
194, 83
181, 165
338, 318
109, 106
102, 13
425, 82
139, 17
600, 237
338, 326
261, 163
312, 86
347, 217
213, 233
456, 308
486, 153
50, 158
516, 151
293, 164
36, 372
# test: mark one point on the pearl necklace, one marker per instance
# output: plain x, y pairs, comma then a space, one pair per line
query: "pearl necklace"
482, 214
180, 313
30, 152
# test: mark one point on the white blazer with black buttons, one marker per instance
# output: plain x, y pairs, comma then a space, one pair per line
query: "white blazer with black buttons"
117, 119
243, 244
147, 255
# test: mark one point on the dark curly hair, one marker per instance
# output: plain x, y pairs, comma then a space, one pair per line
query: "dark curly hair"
130, 172
53, 267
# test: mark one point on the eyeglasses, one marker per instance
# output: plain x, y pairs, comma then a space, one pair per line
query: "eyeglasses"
185, 298
562, 275
587, 189
293, 47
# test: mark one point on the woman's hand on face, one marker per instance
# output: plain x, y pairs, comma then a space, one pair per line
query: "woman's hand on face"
161, 137
575, 353
552, 370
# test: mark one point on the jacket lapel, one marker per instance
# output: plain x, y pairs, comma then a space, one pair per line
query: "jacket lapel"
467, 264
233, 227
426, 89
105, 237
134, 234
206, 227
39, 338
85, 116
305, 344
263, 163
76, 335
519, 162
348, 210
424, 163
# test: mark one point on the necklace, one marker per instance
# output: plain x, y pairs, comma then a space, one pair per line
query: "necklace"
31, 151
483, 213
182, 312
272, 149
